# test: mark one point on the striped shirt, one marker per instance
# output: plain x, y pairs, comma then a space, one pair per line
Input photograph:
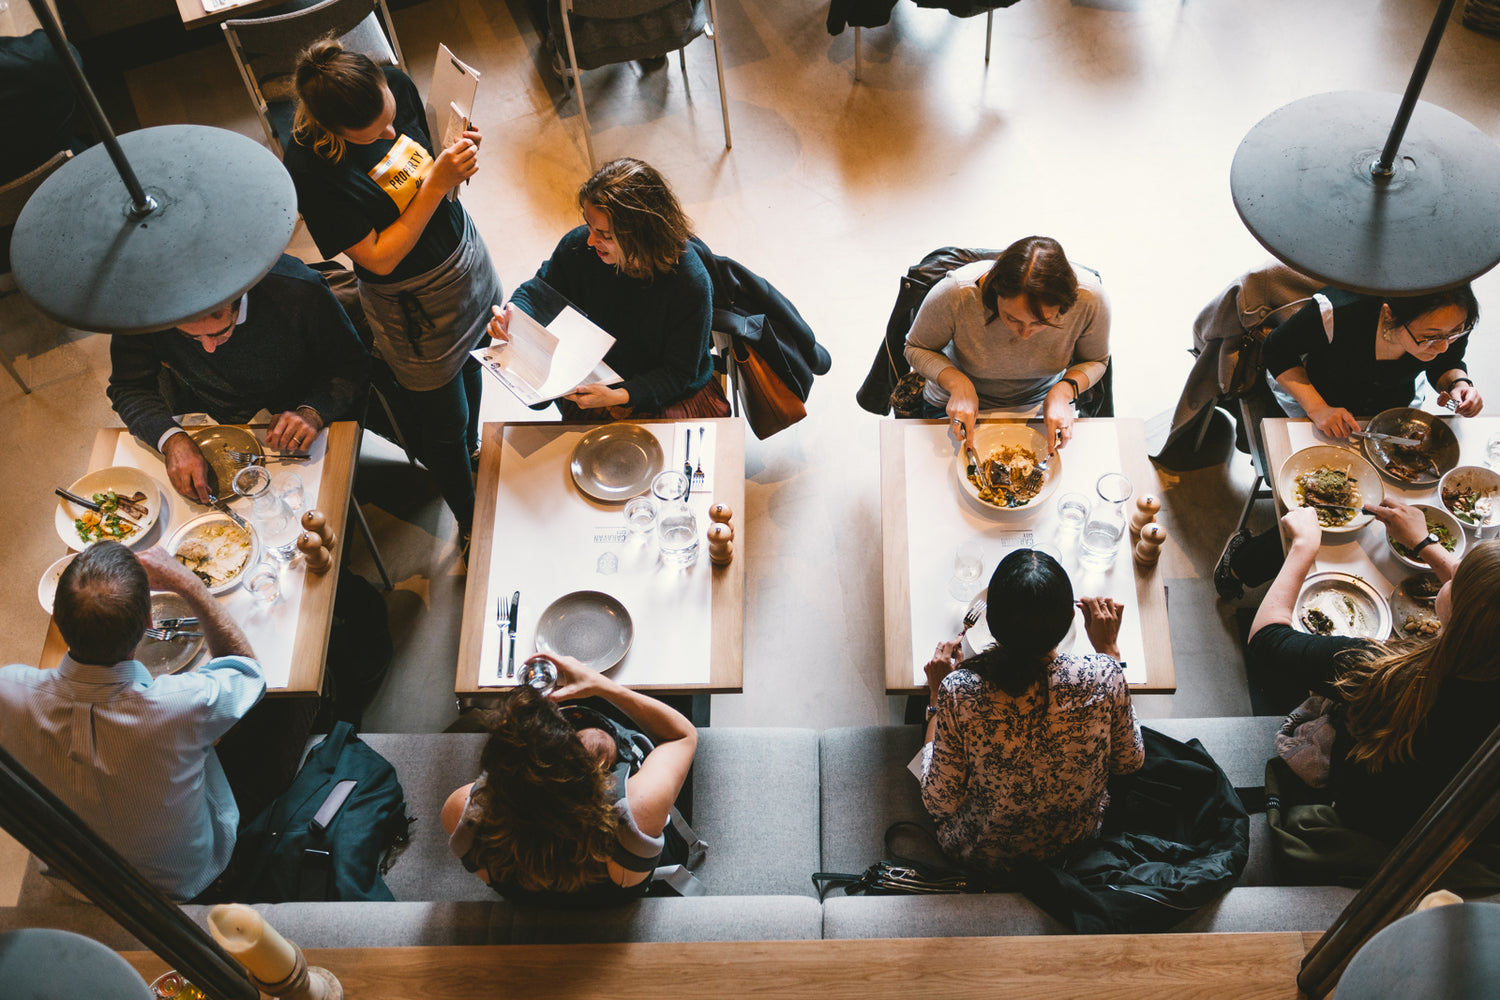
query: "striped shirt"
134, 757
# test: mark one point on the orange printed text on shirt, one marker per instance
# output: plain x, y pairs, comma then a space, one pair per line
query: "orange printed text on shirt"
399, 173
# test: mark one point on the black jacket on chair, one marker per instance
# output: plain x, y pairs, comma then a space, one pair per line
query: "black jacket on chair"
748, 306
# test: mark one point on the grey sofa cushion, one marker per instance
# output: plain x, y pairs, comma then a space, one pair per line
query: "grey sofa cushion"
1000, 914
866, 788
1240, 746
1270, 908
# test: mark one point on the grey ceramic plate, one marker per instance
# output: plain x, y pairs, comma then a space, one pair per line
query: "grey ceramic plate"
1405, 603
212, 441
168, 657
1439, 442
616, 462
588, 625
1354, 607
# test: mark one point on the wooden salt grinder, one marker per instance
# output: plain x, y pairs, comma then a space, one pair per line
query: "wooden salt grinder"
319, 560
1148, 549
315, 522
721, 513
1146, 508
720, 543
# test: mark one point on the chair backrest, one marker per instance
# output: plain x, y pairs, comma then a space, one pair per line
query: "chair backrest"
269, 46
14, 194
616, 10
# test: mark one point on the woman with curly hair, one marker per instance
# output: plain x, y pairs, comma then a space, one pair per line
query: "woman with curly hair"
554, 818
1022, 739
372, 185
629, 268
1408, 715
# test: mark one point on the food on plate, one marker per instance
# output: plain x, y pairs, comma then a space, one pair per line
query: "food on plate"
1423, 588
107, 523
1007, 476
1331, 612
1467, 503
1336, 487
1412, 462
215, 551
1421, 626
1444, 534
1317, 622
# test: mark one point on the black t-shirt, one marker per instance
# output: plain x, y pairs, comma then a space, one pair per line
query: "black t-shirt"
342, 204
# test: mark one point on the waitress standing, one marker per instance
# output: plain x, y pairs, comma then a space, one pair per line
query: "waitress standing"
371, 185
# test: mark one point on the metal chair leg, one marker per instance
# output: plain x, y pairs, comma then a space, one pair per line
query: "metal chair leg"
5, 360
856, 54
583, 112
395, 427
713, 33
364, 529
989, 25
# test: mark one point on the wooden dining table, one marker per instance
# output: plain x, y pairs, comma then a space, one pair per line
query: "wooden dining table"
290, 637
537, 532
925, 517
194, 14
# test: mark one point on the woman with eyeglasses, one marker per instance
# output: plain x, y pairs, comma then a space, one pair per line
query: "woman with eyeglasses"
1344, 354
1366, 354
372, 185
1028, 329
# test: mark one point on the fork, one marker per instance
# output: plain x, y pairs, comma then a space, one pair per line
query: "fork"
503, 622
972, 616
698, 472
251, 458
169, 634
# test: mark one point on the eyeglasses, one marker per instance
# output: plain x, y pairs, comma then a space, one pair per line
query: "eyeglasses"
1445, 338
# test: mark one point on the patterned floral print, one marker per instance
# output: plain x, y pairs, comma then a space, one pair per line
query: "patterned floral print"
1004, 780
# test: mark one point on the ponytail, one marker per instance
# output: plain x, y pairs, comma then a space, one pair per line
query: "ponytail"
337, 91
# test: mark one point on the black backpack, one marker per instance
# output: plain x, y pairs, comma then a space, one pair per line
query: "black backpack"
327, 837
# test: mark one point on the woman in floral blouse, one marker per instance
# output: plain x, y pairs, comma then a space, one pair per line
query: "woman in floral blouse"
1021, 739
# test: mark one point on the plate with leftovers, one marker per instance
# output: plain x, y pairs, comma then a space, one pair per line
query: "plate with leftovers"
177, 655
1006, 482
1422, 465
219, 551
1413, 607
1341, 604
212, 440
1471, 493
1449, 532
132, 502
1325, 477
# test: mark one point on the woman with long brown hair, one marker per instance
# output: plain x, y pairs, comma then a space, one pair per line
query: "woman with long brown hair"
1409, 714
556, 818
629, 268
371, 185
1029, 329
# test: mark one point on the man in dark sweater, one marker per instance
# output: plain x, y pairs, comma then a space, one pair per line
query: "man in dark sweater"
285, 346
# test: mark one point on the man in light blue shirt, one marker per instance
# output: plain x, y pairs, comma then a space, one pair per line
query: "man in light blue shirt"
134, 756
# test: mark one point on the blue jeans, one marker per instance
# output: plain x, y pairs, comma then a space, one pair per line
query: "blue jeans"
447, 431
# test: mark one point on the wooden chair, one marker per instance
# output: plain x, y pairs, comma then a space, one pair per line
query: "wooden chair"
13, 198
600, 32
266, 48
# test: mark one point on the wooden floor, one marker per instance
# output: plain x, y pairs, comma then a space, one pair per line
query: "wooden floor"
1120, 967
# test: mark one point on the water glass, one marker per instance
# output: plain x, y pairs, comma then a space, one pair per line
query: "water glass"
677, 533
288, 486
1106, 521
1072, 511
640, 516
265, 584
1492, 452
277, 526
669, 486
968, 570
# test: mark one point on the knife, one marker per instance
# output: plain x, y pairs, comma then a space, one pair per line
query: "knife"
91, 505
687, 463
223, 508
515, 609
1387, 439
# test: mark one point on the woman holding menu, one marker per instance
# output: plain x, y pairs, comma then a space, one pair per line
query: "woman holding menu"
629, 268
371, 185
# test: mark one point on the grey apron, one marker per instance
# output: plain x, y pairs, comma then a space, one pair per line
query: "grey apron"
426, 325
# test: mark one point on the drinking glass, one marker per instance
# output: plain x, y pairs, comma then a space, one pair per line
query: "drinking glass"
1072, 511
677, 533
1492, 452
1106, 521
640, 516
288, 486
274, 522
669, 485
265, 584
968, 569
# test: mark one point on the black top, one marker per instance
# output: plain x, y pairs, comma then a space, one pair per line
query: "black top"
295, 348
1345, 371
1385, 803
660, 325
342, 204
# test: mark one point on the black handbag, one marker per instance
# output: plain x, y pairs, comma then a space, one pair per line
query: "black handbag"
904, 876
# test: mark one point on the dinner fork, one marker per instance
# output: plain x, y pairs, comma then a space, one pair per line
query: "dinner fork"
698, 472
251, 458
169, 634
972, 616
503, 622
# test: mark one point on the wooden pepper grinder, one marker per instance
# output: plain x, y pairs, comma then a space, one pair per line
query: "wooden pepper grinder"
721, 513
1146, 508
314, 521
1148, 549
319, 560
720, 543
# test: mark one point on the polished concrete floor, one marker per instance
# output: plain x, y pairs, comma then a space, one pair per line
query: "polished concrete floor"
1108, 124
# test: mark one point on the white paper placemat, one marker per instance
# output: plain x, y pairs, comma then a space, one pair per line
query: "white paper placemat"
272, 631
940, 518
550, 540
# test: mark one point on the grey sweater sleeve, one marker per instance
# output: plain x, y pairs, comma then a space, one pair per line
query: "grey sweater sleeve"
134, 390
932, 331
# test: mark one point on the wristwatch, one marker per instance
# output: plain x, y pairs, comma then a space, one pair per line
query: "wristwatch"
1431, 539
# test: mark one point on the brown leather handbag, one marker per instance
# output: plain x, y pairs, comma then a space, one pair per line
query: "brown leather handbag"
770, 404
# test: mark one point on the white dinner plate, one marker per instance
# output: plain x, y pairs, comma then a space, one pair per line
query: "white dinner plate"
124, 479
988, 438
210, 523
